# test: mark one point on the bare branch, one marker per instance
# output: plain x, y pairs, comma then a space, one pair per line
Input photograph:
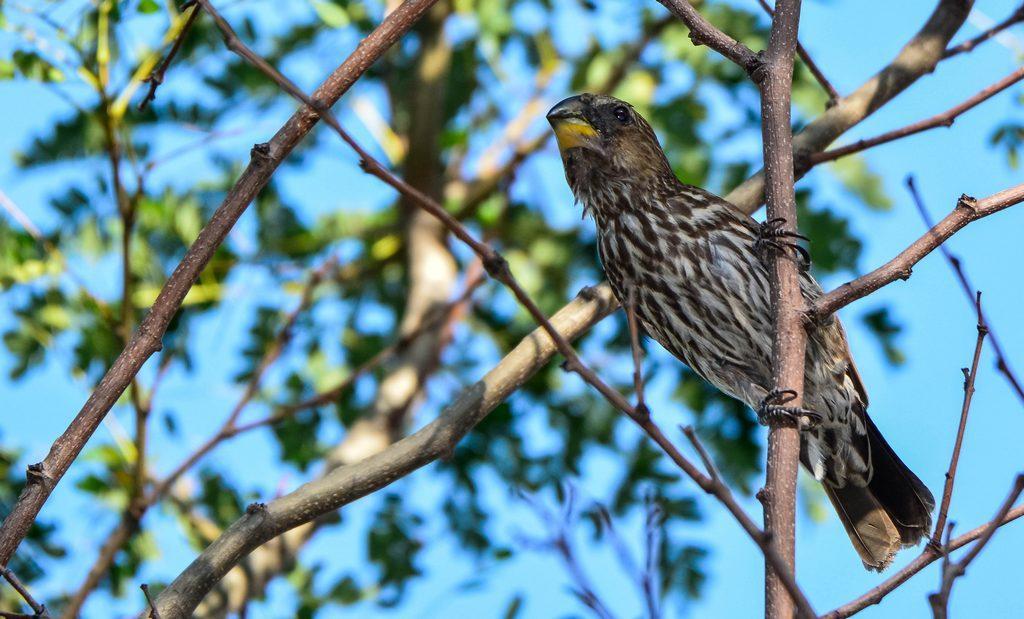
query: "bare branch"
790, 337
1002, 363
153, 613
156, 77
970, 377
805, 56
1016, 17
939, 600
44, 476
703, 32
945, 119
917, 58
926, 558
17, 585
967, 210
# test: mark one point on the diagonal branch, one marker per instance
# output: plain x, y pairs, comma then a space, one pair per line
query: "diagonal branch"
703, 32
497, 267
951, 571
1002, 364
17, 585
967, 210
1016, 17
44, 476
926, 558
349, 483
945, 119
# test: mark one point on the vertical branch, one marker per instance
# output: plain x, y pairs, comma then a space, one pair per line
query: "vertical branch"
970, 376
775, 80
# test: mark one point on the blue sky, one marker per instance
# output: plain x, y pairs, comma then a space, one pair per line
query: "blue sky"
916, 405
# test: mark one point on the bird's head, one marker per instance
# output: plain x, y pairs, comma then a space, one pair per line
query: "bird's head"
604, 136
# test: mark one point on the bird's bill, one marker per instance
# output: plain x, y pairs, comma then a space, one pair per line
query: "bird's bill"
572, 130
573, 133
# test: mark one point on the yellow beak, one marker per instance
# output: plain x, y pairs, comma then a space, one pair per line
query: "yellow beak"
571, 127
573, 132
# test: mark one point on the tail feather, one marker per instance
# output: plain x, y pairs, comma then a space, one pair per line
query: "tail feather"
893, 510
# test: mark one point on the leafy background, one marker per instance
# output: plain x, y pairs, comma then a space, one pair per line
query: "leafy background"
458, 538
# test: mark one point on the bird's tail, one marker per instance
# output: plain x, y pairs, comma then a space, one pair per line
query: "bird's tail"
893, 510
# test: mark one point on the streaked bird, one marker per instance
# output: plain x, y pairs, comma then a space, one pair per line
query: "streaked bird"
699, 276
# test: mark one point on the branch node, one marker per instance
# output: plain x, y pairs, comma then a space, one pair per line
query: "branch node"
587, 293
968, 202
260, 152
37, 474
256, 508
497, 267
757, 69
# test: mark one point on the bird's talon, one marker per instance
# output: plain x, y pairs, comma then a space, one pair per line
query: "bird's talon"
773, 409
768, 236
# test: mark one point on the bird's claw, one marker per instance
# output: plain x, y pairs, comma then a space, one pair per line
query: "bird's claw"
773, 408
772, 236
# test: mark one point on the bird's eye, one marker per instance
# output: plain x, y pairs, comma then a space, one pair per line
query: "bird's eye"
621, 114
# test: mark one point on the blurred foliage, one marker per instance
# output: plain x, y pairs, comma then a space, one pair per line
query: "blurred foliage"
176, 159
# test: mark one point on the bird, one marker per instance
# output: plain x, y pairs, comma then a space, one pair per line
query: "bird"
696, 271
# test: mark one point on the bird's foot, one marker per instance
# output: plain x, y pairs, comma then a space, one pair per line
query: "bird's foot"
772, 237
773, 409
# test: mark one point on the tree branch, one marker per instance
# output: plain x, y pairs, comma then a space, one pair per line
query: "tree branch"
939, 600
497, 268
926, 558
349, 483
1016, 17
1002, 363
967, 210
790, 336
917, 58
17, 585
44, 476
945, 119
703, 32
970, 377
805, 56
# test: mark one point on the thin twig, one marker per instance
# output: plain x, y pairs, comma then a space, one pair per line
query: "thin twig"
153, 612
1016, 17
156, 77
928, 556
970, 376
805, 56
944, 119
967, 210
638, 352
17, 585
939, 600
1002, 363
702, 32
